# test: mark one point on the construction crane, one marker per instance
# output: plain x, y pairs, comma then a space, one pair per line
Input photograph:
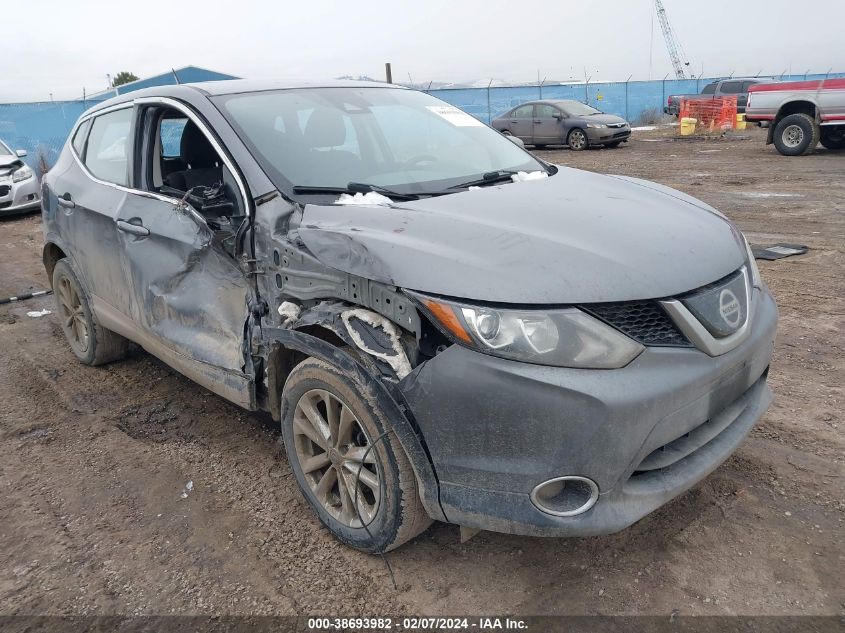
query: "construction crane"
672, 44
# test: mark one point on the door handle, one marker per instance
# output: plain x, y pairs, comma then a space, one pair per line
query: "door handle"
66, 202
134, 229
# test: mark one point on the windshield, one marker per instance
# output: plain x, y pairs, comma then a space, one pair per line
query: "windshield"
403, 140
576, 108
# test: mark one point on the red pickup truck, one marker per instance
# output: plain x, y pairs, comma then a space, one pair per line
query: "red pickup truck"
799, 114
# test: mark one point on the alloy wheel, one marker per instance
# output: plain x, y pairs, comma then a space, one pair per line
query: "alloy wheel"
74, 323
334, 454
793, 136
577, 140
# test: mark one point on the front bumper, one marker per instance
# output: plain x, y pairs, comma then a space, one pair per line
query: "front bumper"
19, 197
495, 429
601, 136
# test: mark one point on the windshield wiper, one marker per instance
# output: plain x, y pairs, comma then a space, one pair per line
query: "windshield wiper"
353, 188
490, 178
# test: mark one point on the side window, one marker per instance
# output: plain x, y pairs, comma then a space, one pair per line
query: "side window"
709, 89
545, 111
731, 87
747, 84
107, 152
78, 141
523, 112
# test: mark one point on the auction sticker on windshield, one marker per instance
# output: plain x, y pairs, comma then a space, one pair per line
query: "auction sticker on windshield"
455, 116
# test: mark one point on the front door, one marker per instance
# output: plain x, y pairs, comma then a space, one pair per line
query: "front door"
548, 128
189, 297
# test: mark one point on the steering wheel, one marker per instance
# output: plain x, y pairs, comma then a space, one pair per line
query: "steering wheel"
417, 161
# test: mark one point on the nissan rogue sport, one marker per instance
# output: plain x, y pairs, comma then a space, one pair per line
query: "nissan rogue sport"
445, 326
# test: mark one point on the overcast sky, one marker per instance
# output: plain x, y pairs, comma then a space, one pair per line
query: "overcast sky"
61, 47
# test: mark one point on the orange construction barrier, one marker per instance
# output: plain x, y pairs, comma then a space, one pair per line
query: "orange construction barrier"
711, 115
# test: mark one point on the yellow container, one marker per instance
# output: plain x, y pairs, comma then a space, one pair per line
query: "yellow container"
688, 126
740, 121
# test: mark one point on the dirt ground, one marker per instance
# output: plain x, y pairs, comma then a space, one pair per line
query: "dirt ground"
96, 517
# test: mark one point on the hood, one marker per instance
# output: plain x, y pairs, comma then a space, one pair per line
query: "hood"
602, 118
575, 237
6, 160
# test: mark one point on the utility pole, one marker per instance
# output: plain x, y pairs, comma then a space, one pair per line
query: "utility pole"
388, 73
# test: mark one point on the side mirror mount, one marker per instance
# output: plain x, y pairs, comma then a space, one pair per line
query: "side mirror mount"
515, 140
21, 153
559, 116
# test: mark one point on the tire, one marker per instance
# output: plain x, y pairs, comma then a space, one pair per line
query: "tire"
89, 341
397, 514
577, 140
832, 140
796, 134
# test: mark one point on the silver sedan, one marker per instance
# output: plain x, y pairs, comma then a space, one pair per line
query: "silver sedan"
19, 190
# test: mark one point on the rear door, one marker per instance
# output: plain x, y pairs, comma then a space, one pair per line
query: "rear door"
548, 128
189, 296
521, 123
91, 197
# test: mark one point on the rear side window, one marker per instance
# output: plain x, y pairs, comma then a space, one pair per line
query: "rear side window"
107, 153
709, 89
79, 137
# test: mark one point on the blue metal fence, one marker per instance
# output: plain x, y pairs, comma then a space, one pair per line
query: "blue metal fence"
41, 128
628, 99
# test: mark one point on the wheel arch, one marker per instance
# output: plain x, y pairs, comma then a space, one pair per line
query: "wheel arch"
289, 347
50, 255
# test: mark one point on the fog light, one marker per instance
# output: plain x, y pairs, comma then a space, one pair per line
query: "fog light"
565, 496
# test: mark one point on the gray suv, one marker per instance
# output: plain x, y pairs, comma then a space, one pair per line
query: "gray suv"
445, 326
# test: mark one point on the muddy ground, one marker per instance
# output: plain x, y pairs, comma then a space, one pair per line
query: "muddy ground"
95, 516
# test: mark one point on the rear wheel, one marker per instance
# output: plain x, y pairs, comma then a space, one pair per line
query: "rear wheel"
90, 342
350, 467
834, 139
796, 134
577, 140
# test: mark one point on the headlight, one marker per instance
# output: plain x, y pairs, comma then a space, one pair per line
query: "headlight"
564, 337
596, 125
756, 281
21, 174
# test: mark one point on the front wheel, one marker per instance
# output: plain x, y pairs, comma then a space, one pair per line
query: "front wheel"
577, 140
348, 463
796, 134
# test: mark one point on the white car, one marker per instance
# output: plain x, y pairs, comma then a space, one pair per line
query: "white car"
19, 190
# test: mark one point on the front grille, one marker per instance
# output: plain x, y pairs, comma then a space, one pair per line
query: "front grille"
644, 321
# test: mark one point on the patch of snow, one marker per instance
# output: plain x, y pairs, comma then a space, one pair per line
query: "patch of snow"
522, 176
188, 487
644, 128
369, 198
289, 312
38, 313
398, 361
766, 194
